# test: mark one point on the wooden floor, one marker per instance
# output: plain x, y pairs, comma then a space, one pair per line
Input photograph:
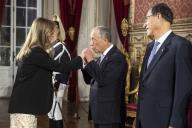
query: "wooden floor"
68, 112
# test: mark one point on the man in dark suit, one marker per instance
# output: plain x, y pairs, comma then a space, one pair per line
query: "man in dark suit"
166, 76
108, 76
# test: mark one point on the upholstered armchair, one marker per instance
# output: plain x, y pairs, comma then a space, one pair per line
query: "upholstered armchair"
131, 107
131, 103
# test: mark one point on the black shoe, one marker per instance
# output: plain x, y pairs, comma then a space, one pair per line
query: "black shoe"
51, 123
59, 123
55, 123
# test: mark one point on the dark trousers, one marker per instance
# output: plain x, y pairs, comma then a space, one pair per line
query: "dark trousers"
115, 125
140, 126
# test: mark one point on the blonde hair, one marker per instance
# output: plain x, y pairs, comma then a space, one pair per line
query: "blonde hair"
61, 36
38, 35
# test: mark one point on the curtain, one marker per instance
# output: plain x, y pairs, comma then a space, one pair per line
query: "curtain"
70, 13
2, 7
121, 9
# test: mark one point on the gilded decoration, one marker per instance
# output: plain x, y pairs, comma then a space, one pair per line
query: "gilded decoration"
124, 27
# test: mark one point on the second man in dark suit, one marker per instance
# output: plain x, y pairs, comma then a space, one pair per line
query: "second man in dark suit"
166, 76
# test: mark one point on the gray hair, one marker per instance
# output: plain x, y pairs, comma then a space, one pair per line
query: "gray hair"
103, 32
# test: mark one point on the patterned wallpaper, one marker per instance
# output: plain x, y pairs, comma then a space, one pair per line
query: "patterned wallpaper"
182, 9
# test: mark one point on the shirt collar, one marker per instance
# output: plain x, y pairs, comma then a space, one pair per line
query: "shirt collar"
107, 50
163, 37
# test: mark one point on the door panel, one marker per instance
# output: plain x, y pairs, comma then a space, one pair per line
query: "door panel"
17, 19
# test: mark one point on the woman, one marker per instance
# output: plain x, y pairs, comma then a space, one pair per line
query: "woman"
32, 91
60, 80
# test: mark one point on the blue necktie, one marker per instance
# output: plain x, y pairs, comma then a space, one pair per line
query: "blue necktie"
153, 52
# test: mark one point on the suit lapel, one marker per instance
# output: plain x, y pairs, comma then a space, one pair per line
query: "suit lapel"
162, 50
105, 59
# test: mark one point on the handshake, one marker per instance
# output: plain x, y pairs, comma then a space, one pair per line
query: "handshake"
87, 55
